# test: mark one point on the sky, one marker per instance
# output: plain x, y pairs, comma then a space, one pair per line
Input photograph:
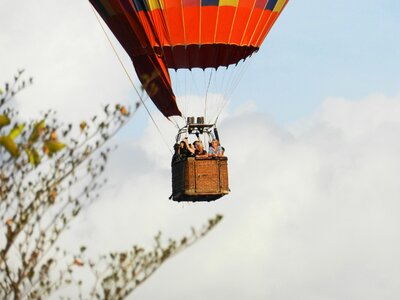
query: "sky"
311, 134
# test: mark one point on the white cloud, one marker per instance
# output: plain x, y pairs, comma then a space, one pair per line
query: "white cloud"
62, 46
312, 214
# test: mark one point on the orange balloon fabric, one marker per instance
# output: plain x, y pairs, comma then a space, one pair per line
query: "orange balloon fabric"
207, 33
186, 34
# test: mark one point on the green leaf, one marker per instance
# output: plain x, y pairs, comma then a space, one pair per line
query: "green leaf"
4, 120
11, 147
37, 131
16, 131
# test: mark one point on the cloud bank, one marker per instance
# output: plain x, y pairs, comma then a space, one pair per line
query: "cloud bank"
313, 212
64, 49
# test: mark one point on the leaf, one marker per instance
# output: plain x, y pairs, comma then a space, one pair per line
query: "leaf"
124, 111
31, 273
4, 120
33, 155
11, 147
53, 135
83, 125
53, 146
76, 211
16, 131
78, 262
37, 131
52, 196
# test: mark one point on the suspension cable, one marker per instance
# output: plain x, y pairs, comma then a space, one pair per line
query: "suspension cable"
129, 77
117, 55
205, 99
232, 85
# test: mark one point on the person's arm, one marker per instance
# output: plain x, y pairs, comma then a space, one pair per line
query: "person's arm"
220, 151
211, 151
204, 154
191, 150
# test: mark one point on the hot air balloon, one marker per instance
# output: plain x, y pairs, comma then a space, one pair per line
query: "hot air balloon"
163, 36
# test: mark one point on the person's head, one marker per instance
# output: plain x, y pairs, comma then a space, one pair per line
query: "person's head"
183, 145
214, 143
184, 142
198, 145
176, 147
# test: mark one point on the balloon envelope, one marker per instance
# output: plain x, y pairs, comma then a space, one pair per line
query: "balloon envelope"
186, 34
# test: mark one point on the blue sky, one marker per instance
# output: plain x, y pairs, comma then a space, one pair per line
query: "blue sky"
316, 50
321, 49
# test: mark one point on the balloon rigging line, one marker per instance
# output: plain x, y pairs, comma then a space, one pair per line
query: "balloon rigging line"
234, 82
185, 89
129, 77
194, 81
178, 91
174, 122
243, 68
181, 87
158, 128
227, 87
227, 83
227, 76
205, 99
115, 52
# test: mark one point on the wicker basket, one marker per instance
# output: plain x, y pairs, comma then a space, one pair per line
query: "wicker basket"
200, 179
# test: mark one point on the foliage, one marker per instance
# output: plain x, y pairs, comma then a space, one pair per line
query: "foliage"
48, 171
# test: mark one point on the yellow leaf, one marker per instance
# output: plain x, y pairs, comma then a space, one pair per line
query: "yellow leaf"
33, 155
37, 131
4, 120
53, 146
8, 143
16, 131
